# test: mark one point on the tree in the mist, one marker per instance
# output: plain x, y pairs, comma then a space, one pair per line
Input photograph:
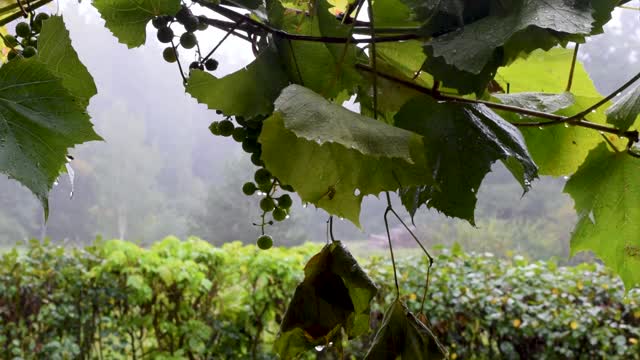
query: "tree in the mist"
445, 88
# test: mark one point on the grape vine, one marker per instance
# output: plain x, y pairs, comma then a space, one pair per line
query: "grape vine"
443, 91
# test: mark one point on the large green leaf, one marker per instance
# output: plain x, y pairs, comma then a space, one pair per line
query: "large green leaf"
334, 157
461, 142
495, 37
127, 19
403, 336
55, 50
626, 110
239, 93
560, 149
39, 121
336, 293
606, 191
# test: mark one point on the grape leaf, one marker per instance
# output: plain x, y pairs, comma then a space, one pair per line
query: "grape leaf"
461, 142
55, 50
392, 13
237, 93
558, 150
626, 110
335, 293
333, 68
403, 336
39, 121
478, 48
606, 194
541, 72
127, 19
400, 60
334, 157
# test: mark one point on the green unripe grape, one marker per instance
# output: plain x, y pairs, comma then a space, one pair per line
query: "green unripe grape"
33, 42
285, 201
255, 159
262, 176
170, 55
215, 128
41, 17
239, 134
279, 214
160, 22
249, 188
165, 35
202, 24
288, 188
196, 65
10, 41
183, 14
188, 40
191, 23
266, 187
267, 204
226, 127
29, 51
23, 30
211, 64
265, 242
12, 55
250, 145
241, 121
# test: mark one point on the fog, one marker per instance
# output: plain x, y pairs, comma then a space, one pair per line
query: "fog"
160, 172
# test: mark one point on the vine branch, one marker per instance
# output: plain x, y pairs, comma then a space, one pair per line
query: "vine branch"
555, 119
256, 26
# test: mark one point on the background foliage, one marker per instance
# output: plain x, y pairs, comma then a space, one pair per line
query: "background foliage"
188, 299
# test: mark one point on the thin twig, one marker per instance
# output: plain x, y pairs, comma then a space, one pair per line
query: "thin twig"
573, 67
333, 239
229, 32
426, 287
343, 55
588, 110
295, 62
393, 259
374, 61
175, 51
613, 146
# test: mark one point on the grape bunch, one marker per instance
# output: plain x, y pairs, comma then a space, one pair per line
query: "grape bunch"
187, 40
25, 42
264, 184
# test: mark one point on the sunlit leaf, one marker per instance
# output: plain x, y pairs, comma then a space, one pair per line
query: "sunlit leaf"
606, 192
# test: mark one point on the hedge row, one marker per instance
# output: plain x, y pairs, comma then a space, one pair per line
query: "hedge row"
190, 300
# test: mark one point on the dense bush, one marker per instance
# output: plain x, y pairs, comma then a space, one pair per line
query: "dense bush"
191, 300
